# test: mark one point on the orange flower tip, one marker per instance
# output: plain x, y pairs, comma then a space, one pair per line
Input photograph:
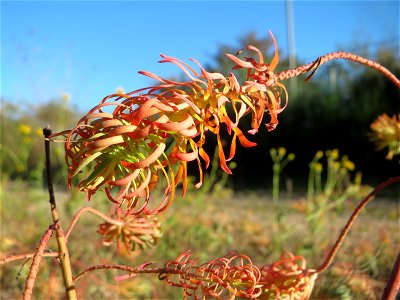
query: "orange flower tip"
123, 277
240, 63
198, 185
183, 193
185, 156
270, 126
253, 131
251, 144
246, 143
226, 169
89, 196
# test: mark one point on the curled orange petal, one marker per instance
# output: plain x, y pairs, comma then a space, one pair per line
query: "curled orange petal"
122, 130
106, 142
221, 155
127, 179
204, 156
148, 160
275, 59
186, 156
175, 126
242, 139
141, 187
239, 62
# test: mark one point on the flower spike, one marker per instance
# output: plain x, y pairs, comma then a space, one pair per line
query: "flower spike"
130, 143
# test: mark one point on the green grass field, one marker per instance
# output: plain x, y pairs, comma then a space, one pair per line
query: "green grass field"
210, 227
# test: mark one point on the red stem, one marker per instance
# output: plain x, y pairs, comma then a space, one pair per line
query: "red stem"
337, 55
95, 212
30, 282
133, 270
25, 256
393, 284
350, 222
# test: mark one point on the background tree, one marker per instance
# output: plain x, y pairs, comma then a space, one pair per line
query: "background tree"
335, 108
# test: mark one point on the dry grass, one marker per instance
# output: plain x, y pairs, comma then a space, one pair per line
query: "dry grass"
210, 227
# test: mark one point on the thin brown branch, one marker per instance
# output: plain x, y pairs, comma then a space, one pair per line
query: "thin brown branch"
130, 270
30, 282
337, 55
393, 284
61, 241
95, 212
54, 211
350, 222
25, 256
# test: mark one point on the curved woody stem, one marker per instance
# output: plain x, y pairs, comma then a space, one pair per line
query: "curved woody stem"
393, 285
336, 55
95, 212
345, 230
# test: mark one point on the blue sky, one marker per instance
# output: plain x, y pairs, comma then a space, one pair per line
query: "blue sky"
89, 49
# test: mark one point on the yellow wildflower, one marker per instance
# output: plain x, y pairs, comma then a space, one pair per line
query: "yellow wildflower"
24, 129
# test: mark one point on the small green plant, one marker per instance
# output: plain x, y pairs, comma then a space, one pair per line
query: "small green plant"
280, 160
17, 161
314, 179
214, 183
21, 141
332, 191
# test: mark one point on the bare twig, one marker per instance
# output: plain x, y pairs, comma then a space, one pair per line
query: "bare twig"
54, 211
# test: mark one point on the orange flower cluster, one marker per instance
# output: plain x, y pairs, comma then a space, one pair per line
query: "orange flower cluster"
236, 276
386, 133
287, 278
152, 133
133, 231
222, 278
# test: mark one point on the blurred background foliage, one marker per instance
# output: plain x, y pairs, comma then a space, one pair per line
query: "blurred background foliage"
333, 110
22, 146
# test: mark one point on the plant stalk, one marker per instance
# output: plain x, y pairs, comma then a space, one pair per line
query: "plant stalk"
275, 184
61, 241
393, 284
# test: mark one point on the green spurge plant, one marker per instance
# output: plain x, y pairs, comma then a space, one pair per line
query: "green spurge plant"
279, 163
130, 143
332, 192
